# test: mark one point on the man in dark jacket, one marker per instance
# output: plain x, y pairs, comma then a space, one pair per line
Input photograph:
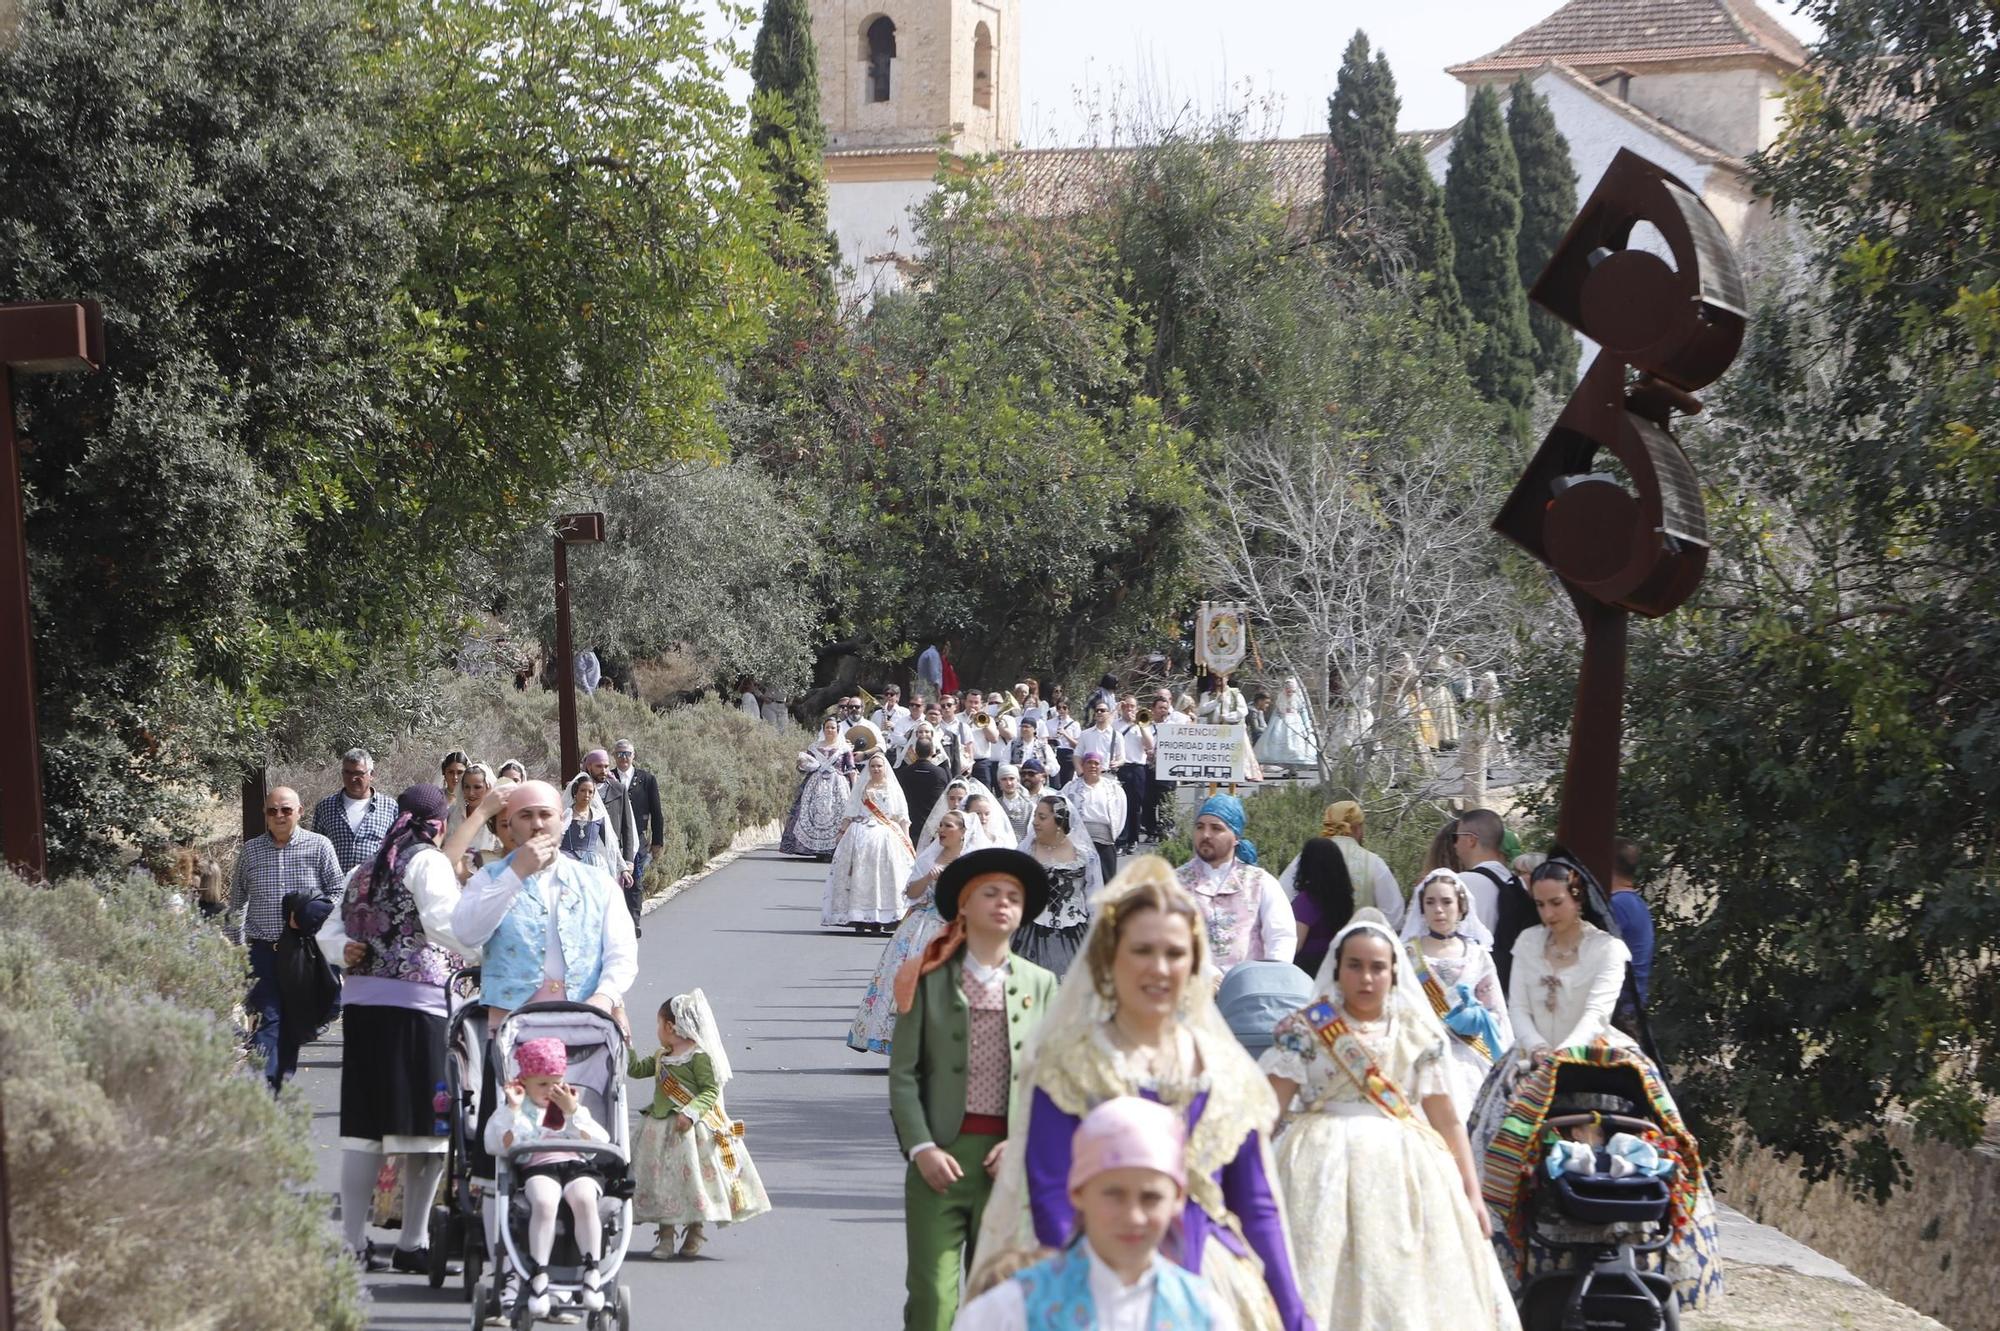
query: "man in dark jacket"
642, 791
923, 783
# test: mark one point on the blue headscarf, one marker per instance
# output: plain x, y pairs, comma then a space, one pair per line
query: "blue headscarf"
1230, 810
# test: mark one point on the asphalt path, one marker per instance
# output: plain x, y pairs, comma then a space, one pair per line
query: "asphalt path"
816, 1115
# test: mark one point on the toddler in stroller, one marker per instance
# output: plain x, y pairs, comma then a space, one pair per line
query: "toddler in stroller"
1598, 1184
559, 1139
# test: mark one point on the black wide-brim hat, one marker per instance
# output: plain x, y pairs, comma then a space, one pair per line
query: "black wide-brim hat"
1016, 864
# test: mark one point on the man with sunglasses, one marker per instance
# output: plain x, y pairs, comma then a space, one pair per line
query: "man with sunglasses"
283, 860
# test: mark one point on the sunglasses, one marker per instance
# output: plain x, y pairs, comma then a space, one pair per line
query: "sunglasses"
278, 810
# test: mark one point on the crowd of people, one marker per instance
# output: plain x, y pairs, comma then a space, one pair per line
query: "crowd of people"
539, 888
1123, 1089
1340, 1051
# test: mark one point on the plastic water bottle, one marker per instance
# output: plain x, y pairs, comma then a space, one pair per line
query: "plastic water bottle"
441, 1108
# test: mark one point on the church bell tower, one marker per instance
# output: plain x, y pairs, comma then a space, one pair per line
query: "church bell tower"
919, 74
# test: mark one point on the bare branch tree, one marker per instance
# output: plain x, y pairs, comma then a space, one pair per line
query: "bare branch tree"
1352, 552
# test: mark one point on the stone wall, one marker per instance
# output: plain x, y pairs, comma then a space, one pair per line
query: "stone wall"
1931, 1245
930, 81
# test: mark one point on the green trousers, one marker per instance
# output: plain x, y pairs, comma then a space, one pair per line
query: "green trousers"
939, 1229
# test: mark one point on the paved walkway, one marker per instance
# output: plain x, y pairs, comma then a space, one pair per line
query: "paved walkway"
830, 1254
817, 1116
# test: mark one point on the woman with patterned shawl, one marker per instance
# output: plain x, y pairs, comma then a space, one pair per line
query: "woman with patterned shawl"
1375, 1165
1136, 1016
812, 827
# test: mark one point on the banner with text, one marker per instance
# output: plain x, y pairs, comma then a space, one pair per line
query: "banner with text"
1200, 753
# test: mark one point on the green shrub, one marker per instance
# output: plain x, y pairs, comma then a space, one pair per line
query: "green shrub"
720, 772
155, 1182
1282, 816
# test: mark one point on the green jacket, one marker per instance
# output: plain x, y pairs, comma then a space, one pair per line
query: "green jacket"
696, 1076
927, 1053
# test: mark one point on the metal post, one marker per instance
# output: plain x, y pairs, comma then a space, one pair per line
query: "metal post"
256, 784
571, 529
1588, 823
565, 668
21, 828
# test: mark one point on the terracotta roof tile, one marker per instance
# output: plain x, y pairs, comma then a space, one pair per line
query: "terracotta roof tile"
1595, 33
1063, 182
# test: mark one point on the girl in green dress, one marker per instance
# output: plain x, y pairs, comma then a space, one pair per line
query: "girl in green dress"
689, 1163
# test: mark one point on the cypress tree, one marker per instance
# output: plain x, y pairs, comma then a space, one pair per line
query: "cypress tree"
785, 126
1361, 130
1482, 199
1548, 205
1413, 218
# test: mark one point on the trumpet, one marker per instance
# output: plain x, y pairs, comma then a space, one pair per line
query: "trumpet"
1145, 717
982, 719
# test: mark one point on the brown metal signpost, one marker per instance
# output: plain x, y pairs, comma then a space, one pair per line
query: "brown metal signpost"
35, 338
571, 529
1636, 545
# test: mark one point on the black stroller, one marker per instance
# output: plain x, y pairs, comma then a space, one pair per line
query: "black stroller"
457, 1229
1604, 1234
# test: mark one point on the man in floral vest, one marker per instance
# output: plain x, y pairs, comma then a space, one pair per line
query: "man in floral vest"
1248, 917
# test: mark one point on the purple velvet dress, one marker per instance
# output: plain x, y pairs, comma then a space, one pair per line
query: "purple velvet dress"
1244, 1187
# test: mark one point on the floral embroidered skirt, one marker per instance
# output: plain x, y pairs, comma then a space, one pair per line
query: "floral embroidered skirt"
686, 1178
875, 1020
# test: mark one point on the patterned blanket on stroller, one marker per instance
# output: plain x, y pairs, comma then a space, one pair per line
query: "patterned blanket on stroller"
1515, 1145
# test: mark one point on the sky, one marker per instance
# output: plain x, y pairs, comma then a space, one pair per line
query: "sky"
1277, 58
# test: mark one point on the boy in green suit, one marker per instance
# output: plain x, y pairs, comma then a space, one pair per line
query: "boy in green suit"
965, 1008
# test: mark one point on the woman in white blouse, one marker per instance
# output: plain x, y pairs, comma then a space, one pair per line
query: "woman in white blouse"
1568, 972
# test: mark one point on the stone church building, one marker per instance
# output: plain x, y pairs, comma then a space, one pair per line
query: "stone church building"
906, 84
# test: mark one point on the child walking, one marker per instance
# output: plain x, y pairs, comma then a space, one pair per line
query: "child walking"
689, 1162
1128, 1182
541, 1107
964, 1005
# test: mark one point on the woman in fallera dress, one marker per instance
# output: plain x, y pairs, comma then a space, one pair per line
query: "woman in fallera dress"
1375, 1162
1055, 838
1457, 974
875, 1020
826, 768
1136, 1016
864, 884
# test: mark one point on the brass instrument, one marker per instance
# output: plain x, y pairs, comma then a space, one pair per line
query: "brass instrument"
982, 719
1145, 717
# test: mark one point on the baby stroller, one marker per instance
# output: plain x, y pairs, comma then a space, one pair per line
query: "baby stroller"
1598, 1237
457, 1230
597, 1070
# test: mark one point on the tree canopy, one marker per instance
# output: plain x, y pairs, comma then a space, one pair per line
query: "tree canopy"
1482, 196
1548, 206
231, 206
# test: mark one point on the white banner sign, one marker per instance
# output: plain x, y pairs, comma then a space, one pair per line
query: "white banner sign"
1200, 753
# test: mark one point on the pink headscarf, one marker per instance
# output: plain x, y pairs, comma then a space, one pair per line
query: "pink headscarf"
546, 1057
596, 756
1127, 1132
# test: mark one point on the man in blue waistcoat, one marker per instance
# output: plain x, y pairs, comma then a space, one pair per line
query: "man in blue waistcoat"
550, 927
543, 919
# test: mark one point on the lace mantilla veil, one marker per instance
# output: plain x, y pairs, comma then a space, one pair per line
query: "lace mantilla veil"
1079, 844
695, 1020
1068, 1059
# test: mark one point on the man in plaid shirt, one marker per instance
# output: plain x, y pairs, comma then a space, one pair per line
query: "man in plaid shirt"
284, 859
356, 817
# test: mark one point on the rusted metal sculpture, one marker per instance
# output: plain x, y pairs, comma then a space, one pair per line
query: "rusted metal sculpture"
35, 338
1636, 544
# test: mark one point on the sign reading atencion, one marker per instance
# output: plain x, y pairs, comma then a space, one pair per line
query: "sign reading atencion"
1199, 753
